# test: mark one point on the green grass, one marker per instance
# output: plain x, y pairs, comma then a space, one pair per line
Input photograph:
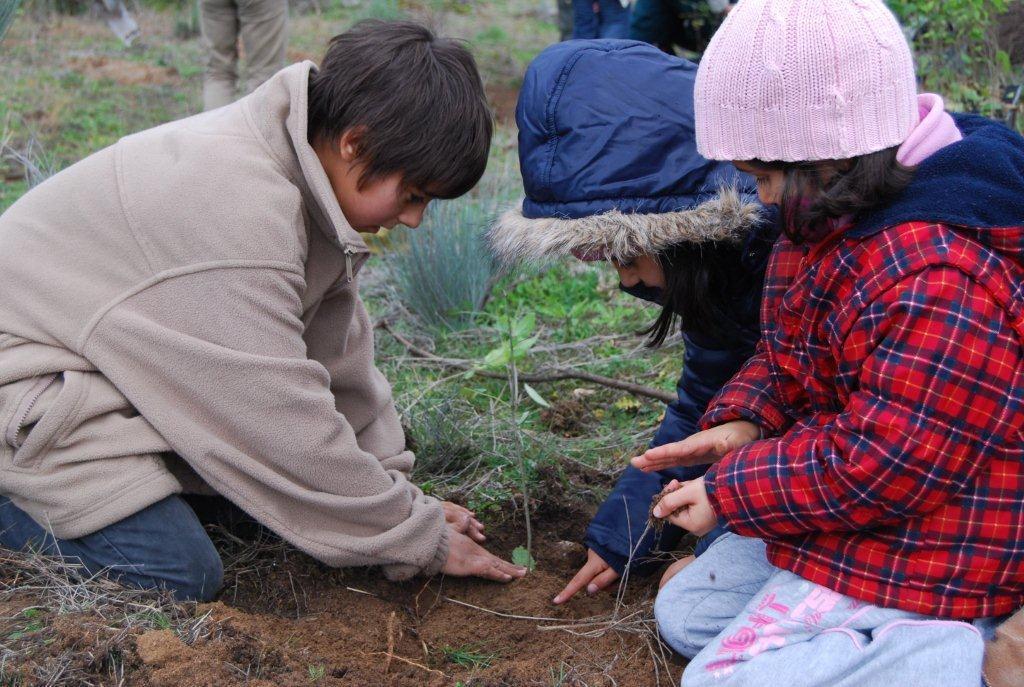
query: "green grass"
467, 656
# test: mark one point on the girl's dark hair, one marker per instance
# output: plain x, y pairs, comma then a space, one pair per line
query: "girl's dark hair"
417, 101
815, 192
705, 284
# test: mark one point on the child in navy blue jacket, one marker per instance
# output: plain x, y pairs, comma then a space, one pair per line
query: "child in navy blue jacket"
620, 179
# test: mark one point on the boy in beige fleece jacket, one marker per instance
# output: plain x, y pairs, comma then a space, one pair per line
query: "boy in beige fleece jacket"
180, 314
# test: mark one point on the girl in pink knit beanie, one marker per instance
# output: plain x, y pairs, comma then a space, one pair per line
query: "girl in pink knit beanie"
868, 459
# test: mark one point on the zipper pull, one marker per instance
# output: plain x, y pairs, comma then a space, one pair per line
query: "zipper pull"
348, 263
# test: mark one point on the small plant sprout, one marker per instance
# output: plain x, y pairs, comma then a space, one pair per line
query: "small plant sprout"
519, 341
316, 671
467, 656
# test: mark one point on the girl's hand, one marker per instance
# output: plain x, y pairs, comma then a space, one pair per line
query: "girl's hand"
595, 575
462, 520
688, 507
700, 448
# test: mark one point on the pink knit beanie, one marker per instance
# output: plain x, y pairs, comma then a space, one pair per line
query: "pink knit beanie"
803, 80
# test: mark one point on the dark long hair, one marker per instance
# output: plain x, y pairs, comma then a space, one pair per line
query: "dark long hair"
815, 192
705, 283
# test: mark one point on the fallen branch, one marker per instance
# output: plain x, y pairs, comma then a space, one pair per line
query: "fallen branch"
411, 663
548, 374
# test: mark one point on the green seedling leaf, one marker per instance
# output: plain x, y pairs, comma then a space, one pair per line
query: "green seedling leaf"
524, 326
537, 398
522, 558
523, 347
497, 358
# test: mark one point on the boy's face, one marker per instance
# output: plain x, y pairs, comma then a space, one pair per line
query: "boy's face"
380, 203
384, 202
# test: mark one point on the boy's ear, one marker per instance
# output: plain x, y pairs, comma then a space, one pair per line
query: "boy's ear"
350, 143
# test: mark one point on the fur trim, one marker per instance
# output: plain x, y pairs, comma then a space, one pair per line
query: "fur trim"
620, 236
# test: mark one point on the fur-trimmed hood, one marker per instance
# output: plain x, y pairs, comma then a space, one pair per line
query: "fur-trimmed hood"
608, 154
622, 236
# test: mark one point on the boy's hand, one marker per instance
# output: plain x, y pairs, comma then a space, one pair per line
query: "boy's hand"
595, 575
466, 558
463, 520
688, 507
700, 448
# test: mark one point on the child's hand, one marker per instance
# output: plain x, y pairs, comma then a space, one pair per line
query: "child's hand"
688, 507
466, 558
463, 520
700, 448
595, 575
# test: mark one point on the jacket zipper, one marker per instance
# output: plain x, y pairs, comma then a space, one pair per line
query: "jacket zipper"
349, 252
25, 407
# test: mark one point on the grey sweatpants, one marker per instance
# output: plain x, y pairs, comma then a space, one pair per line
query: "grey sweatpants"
262, 26
743, 621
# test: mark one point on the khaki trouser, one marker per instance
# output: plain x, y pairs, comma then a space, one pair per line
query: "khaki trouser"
262, 26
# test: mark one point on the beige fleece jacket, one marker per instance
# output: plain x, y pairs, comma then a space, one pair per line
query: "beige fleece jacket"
190, 292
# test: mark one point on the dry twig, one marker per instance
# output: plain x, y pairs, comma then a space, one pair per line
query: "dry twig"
547, 374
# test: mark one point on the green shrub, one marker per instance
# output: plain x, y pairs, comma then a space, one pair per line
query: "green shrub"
8, 10
443, 270
956, 50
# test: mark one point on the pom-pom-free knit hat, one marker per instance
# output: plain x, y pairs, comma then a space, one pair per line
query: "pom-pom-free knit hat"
804, 80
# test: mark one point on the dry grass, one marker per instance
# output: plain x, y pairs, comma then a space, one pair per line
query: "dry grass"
40, 594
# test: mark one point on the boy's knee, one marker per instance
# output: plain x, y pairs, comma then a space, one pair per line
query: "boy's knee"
201, 578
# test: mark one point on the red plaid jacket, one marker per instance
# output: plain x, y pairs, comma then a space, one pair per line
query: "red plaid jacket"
890, 380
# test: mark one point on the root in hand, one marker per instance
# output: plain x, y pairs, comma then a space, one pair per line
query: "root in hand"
658, 524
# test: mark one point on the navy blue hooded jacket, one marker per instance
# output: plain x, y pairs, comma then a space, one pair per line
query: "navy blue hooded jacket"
608, 156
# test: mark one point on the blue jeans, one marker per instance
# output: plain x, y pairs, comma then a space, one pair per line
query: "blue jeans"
744, 622
162, 546
611, 21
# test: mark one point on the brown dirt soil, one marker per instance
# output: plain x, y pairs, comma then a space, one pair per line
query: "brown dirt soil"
503, 100
124, 72
284, 620
279, 621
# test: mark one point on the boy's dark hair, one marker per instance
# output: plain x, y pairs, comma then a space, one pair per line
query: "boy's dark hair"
705, 285
416, 101
815, 192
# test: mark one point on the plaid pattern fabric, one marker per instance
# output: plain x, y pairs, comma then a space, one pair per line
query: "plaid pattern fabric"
891, 374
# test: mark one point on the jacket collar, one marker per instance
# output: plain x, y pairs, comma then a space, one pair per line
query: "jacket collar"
279, 111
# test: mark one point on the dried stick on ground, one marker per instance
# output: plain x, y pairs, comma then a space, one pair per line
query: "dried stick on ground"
548, 374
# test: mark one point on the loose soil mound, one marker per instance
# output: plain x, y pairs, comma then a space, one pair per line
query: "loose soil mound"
284, 620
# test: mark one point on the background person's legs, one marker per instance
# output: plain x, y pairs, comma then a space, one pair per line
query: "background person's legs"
613, 20
162, 546
218, 22
652, 21
584, 19
564, 20
264, 33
